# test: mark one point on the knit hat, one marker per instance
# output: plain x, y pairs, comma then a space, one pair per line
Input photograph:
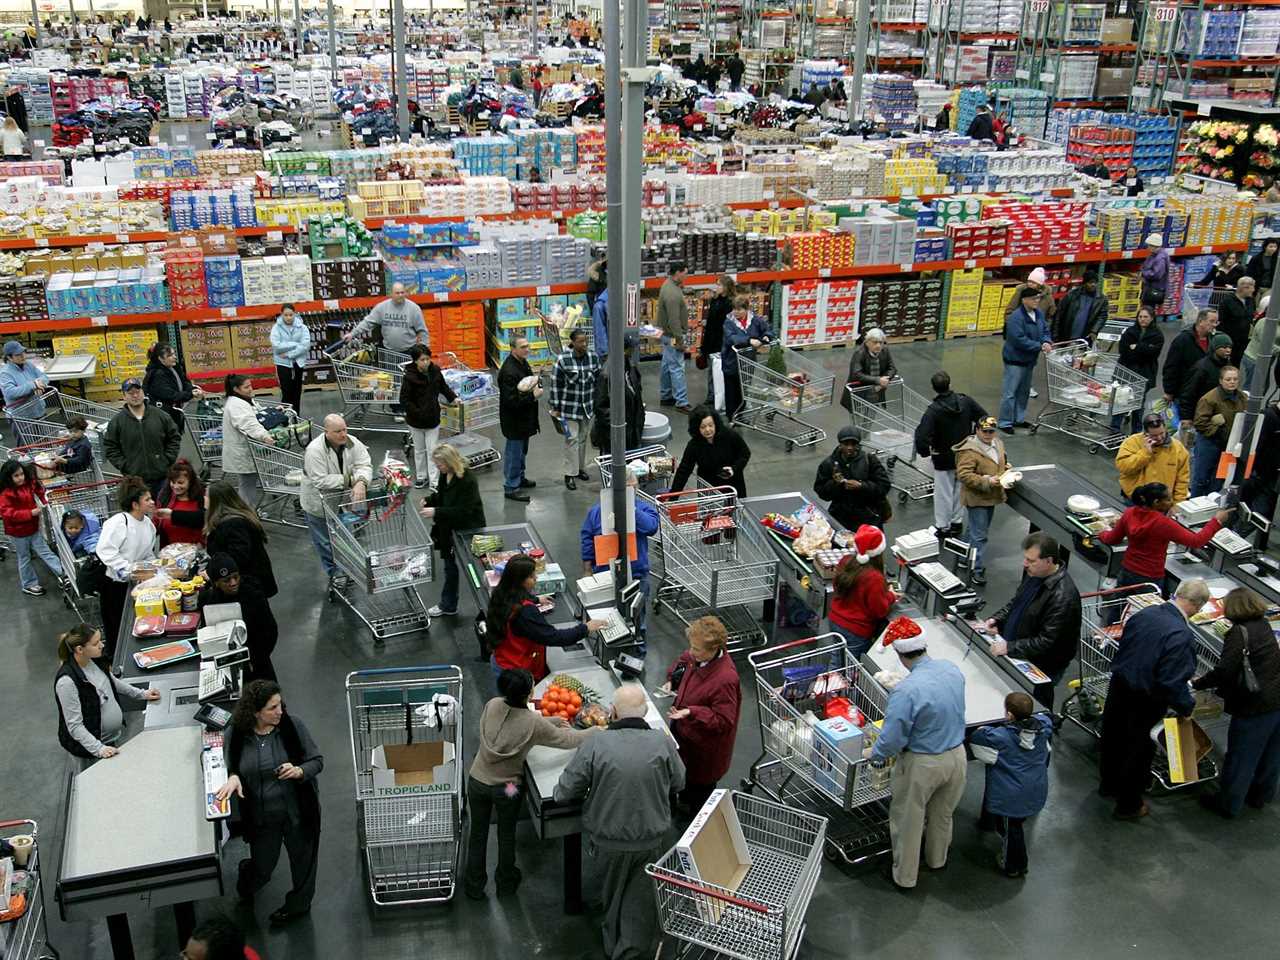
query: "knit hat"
1038, 276
914, 644
849, 433
222, 565
1155, 240
1218, 341
13, 347
869, 542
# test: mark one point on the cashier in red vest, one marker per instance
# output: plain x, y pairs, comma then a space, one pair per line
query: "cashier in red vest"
518, 631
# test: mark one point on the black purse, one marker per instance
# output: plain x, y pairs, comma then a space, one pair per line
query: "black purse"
1248, 680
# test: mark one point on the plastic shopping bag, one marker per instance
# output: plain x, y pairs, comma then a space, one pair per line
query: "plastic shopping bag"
1167, 410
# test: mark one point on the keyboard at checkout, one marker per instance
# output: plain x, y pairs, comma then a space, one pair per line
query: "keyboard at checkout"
224, 652
597, 595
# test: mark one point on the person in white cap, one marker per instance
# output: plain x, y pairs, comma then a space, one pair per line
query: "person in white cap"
924, 729
1155, 272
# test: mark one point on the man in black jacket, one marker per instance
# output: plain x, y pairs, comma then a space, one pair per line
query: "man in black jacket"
948, 420
1184, 353
141, 440
518, 397
633, 394
1041, 623
1259, 490
1082, 312
1235, 317
1206, 373
855, 482
982, 126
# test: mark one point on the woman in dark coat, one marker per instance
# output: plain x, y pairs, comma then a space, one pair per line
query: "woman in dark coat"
420, 392
1251, 770
1224, 273
716, 450
709, 358
1262, 266
634, 392
166, 384
1139, 351
455, 505
870, 369
743, 331
704, 714
232, 527
273, 763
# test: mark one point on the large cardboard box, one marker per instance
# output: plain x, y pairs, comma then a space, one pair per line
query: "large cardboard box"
414, 768
1114, 81
714, 851
1186, 744
1117, 30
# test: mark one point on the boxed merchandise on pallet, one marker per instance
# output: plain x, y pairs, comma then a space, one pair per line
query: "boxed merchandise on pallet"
964, 301
906, 308
251, 345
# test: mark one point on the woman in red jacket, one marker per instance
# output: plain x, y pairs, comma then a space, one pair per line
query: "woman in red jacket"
862, 595
704, 716
21, 501
1150, 530
179, 515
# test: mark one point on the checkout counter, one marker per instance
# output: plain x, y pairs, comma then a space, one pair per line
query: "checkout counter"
1041, 497
796, 571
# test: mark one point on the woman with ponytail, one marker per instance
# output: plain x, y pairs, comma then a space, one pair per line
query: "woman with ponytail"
90, 719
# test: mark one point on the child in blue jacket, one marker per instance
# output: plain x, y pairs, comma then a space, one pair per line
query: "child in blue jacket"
1017, 754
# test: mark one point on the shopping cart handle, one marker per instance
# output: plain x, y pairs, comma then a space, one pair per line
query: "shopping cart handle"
386, 671
707, 891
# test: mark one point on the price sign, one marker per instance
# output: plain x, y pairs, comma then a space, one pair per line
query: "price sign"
1006, 261
275, 236
42, 241
180, 137
970, 264
906, 267
390, 223
1165, 13
239, 134
98, 321
312, 166
557, 214
1047, 76
442, 297
211, 137
122, 238
187, 241
1206, 249
37, 143
824, 271
543, 291
1069, 257
282, 219
228, 311
330, 304
1022, 74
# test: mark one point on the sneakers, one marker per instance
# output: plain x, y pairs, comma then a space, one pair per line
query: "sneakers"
527, 484
439, 611
1034, 394
978, 577
570, 483
36, 591
1008, 431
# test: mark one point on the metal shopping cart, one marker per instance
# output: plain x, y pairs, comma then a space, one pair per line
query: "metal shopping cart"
41, 454
35, 407
383, 546
410, 836
653, 479
1108, 336
1195, 299
763, 918
98, 499
713, 561
888, 421
369, 381
774, 400
27, 937
1086, 390
797, 767
280, 472
204, 426
477, 408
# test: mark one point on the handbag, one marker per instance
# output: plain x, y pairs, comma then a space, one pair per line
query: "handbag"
1248, 679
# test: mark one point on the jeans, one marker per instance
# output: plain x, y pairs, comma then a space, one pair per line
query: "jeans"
1015, 391
857, 645
449, 595
1251, 770
947, 509
424, 441
1204, 467
489, 802
319, 531
24, 547
979, 525
495, 670
671, 385
290, 379
1246, 374
513, 464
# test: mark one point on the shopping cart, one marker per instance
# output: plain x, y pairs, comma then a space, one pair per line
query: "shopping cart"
280, 472
888, 421
410, 836
797, 767
711, 561
35, 407
774, 400
27, 938
40, 455
97, 499
655, 475
1108, 336
383, 546
204, 426
763, 918
477, 408
1195, 299
369, 381
1087, 389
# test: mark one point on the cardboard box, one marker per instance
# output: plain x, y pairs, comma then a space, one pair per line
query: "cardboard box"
414, 768
1114, 81
1186, 744
1117, 30
714, 850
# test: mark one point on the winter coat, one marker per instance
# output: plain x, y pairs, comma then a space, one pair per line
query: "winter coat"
978, 474
517, 409
302, 752
1184, 353
78, 454
167, 387
1140, 350
1204, 376
1017, 755
290, 343
600, 323
981, 127
1215, 276
758, 328
508, 733
16, 504
1157, 656
1155, 275
864, 609
1149, 533
947, 421
246, 544
323, 475
714, 700
1048, 305
852, 508
1212, 404
1170, 465
718, 311
673, 310
20, 387
145, 447
1024, 335
1263, 270
1065, 318
726, 449
185, 525
87, 540
239, 424
1264, 656
634, 407
865, 369
1235, 319
1049, 628
420, 395
458, 507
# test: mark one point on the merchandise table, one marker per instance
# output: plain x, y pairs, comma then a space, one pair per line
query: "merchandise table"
801, 575
155, 850
1041, 497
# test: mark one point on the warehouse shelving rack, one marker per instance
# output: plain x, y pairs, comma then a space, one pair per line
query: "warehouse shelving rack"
1048, 35
941, 37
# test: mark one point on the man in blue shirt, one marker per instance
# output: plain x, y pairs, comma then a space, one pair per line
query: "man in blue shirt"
924, 728
1026, 336
646, 525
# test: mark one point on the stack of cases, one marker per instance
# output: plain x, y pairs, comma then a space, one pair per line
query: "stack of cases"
251, 345
486, 156
90, 293
894, 98
514, 318
462, 332
979, 241
566, 259
1041, 229
840, 309
223, 281
277, 279
964, 302
1076, 77
721, 251
523, 260
206, 347
483, 266
800, 307
828, 249
1123, 291
886, 238
903, 308
127, 352
191, 210
348, 277
1217, 39
23, 299
996, 295
1259, 33
1212, 220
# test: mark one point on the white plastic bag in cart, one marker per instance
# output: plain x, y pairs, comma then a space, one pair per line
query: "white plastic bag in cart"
438, 712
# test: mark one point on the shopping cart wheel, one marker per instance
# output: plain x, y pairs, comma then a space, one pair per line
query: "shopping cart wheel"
790, 445
1033, 428
1094, 448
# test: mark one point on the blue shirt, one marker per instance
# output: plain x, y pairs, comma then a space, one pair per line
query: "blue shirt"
926, 711
21, 386
1028, 590
646, 526
600, 323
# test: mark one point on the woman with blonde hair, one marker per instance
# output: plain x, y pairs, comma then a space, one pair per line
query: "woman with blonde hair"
704, 714
454, 505
13, 142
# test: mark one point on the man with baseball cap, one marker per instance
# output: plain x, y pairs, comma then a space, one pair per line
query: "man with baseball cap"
854, 480
22, 383
1154, 456
924, 729
227, 586
141, 440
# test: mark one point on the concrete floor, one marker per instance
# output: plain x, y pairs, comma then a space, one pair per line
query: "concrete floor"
1179, 884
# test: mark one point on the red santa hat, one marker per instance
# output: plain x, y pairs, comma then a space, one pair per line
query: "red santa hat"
869, 542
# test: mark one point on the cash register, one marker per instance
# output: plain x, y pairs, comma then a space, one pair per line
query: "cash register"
224, 652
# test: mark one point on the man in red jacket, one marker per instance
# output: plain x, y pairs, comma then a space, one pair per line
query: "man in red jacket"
704, 716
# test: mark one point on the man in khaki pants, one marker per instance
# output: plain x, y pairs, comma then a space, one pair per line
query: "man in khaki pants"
923, 728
